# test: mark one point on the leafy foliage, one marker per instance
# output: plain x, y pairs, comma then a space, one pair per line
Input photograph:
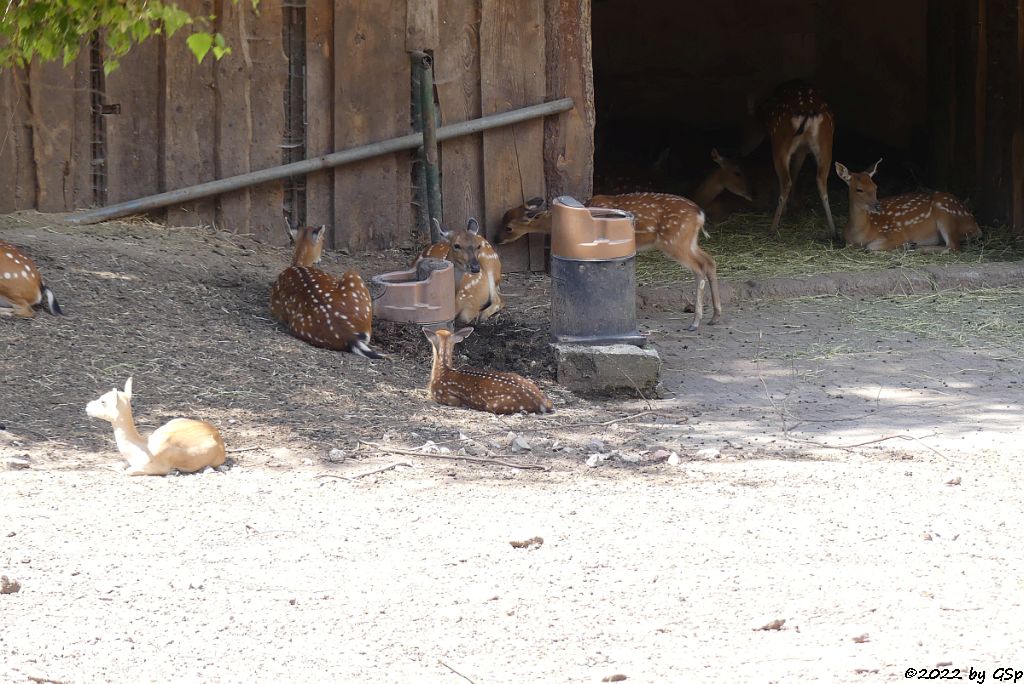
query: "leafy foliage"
52, 29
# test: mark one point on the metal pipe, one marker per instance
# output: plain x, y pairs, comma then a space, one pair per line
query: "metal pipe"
430, 154
327, 161
419, 170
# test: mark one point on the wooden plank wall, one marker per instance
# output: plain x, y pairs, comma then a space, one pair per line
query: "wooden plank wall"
371, 102
171, 122
513, 33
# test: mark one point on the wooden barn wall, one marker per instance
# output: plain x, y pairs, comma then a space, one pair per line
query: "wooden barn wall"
162, 121
976, 75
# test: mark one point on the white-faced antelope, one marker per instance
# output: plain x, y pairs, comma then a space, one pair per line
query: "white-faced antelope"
482, 390
181, 444
318, 308
21, 287
671, 223
799, 122
925, 219
477, 271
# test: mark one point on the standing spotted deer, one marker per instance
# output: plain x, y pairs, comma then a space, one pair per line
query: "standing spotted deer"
672, 224
21, 287
799, 122
482, 390
318, 308
927, 220
477, 271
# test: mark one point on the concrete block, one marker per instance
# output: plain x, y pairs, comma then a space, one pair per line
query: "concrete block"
607, 370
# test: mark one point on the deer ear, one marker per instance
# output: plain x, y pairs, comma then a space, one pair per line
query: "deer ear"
319, 232
128, 388
431, 335
843, 172
473, 226
874, 169
716, 157
440, 229
535, 203
462, 333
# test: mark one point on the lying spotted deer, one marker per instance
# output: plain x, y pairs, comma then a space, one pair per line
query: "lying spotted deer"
180, 444
482, 390
317, 307
799, 122
923, 219
672, 224
477, 271
21, 287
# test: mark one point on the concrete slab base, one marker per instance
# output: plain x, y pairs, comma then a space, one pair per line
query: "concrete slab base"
608, 369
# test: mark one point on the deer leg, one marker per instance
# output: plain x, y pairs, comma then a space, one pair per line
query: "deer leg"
824, 159
692, 261
711, 268
785, 186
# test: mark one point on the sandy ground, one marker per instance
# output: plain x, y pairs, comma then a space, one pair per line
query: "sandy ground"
858, 481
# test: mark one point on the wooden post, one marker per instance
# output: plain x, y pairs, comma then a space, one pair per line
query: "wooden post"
320, 110
457, 75
569, 137
513, 74
1017, 146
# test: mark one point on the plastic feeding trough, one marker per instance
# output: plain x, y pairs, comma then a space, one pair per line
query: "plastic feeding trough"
424, 295
593, 275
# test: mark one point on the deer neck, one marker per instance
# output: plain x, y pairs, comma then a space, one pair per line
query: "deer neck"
708, 190
442, 364
859, 214
129, 442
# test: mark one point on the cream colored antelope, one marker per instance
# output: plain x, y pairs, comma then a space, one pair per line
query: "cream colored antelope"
21, 286
799, 122
672, 224
927, 220
317, 307
477, 271
482, 390
180, 444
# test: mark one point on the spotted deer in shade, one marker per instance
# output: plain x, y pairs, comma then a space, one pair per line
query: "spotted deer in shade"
670, 223
21, 287
477, 271
317, 307
931, 221
799, 122
482, 390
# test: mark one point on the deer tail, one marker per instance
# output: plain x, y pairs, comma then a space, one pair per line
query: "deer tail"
361, 347
49, 301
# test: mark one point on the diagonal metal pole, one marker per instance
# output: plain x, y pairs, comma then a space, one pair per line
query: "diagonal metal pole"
327, 161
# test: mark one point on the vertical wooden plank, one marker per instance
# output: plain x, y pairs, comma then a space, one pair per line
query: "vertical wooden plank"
59, 105
980, 92
1017, 152
12, 125
24, 175
250, 115
422, 30
371, 103
457, 75
512, 68
320, 108
189, 123
133, 129
569, 137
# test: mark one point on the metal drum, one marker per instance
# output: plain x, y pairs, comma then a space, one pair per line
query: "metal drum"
593, 275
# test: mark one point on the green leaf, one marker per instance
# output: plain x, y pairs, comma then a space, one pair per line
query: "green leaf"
200, 44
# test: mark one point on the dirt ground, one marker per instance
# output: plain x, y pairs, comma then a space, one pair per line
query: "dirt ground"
855, 479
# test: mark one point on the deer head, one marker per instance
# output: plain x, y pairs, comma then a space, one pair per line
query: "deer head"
308, 242
532, 217
731, 176
465, 245
112, 404
863, 191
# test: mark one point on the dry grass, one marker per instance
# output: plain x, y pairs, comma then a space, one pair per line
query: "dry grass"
743, 246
